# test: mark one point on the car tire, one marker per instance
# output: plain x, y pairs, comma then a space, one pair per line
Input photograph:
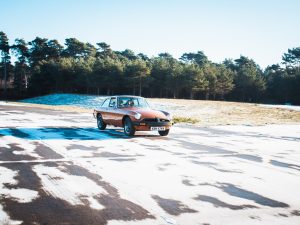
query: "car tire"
164, 132
100, 123
129, 129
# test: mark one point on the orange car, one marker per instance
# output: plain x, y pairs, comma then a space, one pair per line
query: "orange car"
133, 113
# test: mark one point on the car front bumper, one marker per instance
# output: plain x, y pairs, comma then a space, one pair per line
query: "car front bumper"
146, 126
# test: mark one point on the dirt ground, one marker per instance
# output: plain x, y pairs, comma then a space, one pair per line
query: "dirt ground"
229, 113
209, 113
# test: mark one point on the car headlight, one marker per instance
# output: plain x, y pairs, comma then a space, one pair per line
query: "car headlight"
137, 116
170, 117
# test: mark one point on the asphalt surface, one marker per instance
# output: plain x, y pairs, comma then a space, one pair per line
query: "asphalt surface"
57, 168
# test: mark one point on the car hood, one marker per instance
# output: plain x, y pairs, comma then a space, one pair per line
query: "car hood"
150, 113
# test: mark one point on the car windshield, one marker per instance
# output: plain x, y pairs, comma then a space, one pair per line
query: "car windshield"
125, 102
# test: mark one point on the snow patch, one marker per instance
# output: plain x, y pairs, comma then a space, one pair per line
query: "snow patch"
5, 219
85, 101
290, 107
70, 188
21, 195
95, 204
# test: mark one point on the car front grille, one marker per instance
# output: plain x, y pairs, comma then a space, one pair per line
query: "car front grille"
155, 120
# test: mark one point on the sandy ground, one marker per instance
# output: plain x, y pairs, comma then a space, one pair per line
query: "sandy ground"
224, 113
57, 168
210, 113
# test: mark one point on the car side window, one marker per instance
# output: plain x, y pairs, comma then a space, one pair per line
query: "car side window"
135, 102
113, 102
106, 102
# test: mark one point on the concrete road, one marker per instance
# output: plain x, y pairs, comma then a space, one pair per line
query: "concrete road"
57, 168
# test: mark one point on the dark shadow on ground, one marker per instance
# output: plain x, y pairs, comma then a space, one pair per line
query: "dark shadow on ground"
68, 133
47, 209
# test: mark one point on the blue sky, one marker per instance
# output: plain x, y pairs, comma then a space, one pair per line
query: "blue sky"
260, 29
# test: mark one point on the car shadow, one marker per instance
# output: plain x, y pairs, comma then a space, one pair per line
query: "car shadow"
69, 133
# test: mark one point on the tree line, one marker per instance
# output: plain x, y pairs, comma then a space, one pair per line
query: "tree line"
44, 66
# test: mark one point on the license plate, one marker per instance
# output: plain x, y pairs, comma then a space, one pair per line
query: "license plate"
158, 128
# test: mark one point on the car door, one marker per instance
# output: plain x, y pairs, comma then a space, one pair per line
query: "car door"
118, 114
104, 109
111, 110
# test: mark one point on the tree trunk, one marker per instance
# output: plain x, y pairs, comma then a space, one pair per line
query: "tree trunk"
140, 86
26, 81
207, 95
5, 79
192, 95
222, 96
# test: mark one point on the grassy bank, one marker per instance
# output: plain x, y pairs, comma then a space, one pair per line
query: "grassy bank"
225, 113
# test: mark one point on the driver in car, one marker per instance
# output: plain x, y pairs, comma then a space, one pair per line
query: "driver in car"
121, 103
130, 103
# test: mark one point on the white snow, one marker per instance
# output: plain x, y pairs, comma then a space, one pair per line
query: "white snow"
95, 204
19, 194
290, 107
68, 187
27, 146
85, 101
8, 103
22, 195
5, 219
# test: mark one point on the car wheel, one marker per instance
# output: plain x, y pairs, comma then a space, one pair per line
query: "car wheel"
129, 129
164, 132
100, 123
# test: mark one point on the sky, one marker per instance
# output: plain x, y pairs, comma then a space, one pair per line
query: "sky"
259, 29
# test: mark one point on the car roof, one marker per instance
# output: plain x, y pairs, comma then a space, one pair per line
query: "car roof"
128, 96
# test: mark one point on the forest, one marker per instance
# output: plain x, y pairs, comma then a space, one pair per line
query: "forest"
43, 66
